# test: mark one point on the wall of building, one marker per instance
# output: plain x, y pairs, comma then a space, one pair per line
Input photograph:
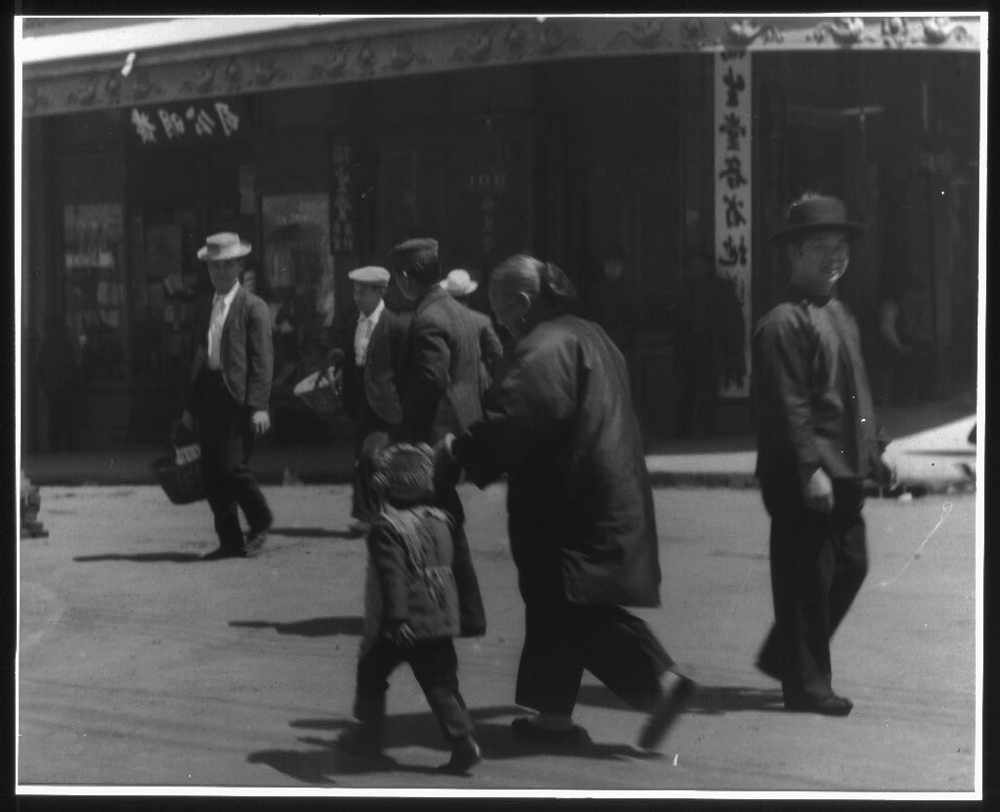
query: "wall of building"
582, 163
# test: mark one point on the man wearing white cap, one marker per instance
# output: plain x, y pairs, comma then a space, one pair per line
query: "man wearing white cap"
230, 386
460, 284
371, 342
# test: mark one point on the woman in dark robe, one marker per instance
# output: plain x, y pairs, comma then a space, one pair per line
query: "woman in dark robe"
560, 424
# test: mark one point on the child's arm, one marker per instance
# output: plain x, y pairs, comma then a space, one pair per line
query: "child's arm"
389, 559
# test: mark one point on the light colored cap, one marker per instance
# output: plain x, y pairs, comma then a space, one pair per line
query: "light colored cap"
222, 246
370, 275
459, 283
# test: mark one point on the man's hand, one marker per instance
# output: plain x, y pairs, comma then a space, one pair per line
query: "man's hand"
818, 493
187, 420
401, 635
261, 423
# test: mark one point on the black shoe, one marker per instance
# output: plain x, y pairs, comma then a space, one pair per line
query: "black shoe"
528, 731
224, 552
831, 705
674, 697
464, 755
254, 541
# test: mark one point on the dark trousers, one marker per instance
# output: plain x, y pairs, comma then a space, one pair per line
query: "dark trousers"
563, 639
226, 438
435, 666
470, 599
818, 563
364, 506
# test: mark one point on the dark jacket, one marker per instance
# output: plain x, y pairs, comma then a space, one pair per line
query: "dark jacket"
490, 348
579, 501
440, 375
378, 381
813, 401
245, 350
409, 573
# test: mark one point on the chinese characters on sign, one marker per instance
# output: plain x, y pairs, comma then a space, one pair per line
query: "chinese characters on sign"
733, 189
187, 122
343, 221
489, 185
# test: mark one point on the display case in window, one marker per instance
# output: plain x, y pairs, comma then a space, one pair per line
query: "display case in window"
299, 275
95, 289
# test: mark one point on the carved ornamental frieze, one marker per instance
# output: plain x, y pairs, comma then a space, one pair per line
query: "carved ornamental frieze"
338, 53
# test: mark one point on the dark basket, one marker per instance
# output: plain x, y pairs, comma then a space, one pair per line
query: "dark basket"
181, 483
321, 392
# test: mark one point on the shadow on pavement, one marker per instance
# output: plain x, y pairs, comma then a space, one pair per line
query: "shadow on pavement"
313, 533
313, 627
715, 699
419, 730
142, 558
707, 699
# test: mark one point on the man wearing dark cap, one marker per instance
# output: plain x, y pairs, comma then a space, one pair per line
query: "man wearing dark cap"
371, 343
816, 445
440, 390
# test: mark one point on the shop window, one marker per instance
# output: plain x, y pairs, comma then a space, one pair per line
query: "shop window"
299, 273
95, 291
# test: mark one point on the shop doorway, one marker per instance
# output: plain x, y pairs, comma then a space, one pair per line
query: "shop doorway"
176, 197
629, 272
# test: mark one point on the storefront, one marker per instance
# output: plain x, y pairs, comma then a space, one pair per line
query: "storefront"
593, 143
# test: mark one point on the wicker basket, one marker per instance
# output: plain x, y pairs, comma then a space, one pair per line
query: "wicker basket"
321, 392
181, 481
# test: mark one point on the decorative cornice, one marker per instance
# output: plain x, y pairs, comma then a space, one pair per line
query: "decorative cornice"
412, 47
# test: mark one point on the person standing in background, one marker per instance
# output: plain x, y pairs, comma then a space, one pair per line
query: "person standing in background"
461, 285
370, 344
230, 386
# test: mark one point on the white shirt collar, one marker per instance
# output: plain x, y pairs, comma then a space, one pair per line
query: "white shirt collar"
228, 298
374, 316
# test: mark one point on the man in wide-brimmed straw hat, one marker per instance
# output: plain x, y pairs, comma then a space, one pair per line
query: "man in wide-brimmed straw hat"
230, 386
817, 443
460, 284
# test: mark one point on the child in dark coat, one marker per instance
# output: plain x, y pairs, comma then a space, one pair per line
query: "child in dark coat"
411, 604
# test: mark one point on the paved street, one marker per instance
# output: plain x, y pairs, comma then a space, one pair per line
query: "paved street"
140, 665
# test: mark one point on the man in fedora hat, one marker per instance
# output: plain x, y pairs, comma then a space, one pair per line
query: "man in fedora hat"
460, 284
816, 445
230, 386
370, 341
440, 387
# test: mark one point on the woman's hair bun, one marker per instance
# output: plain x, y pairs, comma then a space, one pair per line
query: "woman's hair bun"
554, 285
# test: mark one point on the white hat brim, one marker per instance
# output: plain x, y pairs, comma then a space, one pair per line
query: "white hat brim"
235, 252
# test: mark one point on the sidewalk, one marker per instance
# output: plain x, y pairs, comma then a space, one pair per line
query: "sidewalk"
930, 448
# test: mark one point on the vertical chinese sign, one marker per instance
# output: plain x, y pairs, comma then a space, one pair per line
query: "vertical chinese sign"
732, 211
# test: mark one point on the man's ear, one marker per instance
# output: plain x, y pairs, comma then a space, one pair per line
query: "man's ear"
523, 302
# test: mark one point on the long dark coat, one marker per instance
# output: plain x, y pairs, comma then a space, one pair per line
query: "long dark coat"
580, 505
